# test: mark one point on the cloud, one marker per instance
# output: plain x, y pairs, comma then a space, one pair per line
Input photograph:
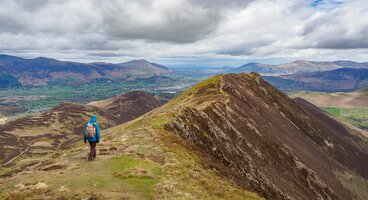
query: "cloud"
345, 28
163, 20
186, 30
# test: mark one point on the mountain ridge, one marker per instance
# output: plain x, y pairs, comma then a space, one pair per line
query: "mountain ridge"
207, 127
337, 80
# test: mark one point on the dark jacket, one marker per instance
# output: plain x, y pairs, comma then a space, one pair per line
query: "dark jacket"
97, 136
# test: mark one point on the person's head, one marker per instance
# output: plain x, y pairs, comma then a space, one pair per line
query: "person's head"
93, 118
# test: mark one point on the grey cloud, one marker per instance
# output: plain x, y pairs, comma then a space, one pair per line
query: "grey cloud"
32, 5
179, 22
340, 29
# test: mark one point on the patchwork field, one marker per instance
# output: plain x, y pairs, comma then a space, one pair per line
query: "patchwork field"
355, 116
350, 107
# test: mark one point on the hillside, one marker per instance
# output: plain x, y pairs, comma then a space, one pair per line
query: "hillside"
41, 71
356, 99
296, 67
128, 106
220, 139
339, 80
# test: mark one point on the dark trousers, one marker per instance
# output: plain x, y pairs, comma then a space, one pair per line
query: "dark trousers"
92, 152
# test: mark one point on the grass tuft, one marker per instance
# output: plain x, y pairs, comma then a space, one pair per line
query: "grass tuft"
141, 174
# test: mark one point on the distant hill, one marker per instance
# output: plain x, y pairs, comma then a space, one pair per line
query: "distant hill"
41, 71
201, 71
300, 66
356, 99
254, 67
339, 80
128, 106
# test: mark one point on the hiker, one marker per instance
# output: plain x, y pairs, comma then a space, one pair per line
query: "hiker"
92, 135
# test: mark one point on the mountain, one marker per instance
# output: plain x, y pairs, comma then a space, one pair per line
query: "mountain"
339, 80
296, 67
228, 137
264, 141
128, 106
8, 81
350, 64
201, 71
356, 99
41, 71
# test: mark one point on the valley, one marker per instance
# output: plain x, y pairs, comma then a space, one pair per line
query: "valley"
18, 101
350, 107
228, 137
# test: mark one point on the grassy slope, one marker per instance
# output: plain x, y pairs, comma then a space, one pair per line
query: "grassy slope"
138, 160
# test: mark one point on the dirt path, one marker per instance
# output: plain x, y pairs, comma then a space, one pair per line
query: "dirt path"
21, 153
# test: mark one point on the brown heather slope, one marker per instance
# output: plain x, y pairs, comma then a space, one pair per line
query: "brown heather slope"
335, 127
128, 106
257, 136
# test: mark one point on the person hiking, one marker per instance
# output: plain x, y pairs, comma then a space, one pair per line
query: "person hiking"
92, 135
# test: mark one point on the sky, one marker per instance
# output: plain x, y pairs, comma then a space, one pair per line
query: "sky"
186, 32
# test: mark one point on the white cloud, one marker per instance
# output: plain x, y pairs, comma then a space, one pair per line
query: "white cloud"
185, 30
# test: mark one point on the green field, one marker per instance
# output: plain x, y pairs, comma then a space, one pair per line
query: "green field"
355, 116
